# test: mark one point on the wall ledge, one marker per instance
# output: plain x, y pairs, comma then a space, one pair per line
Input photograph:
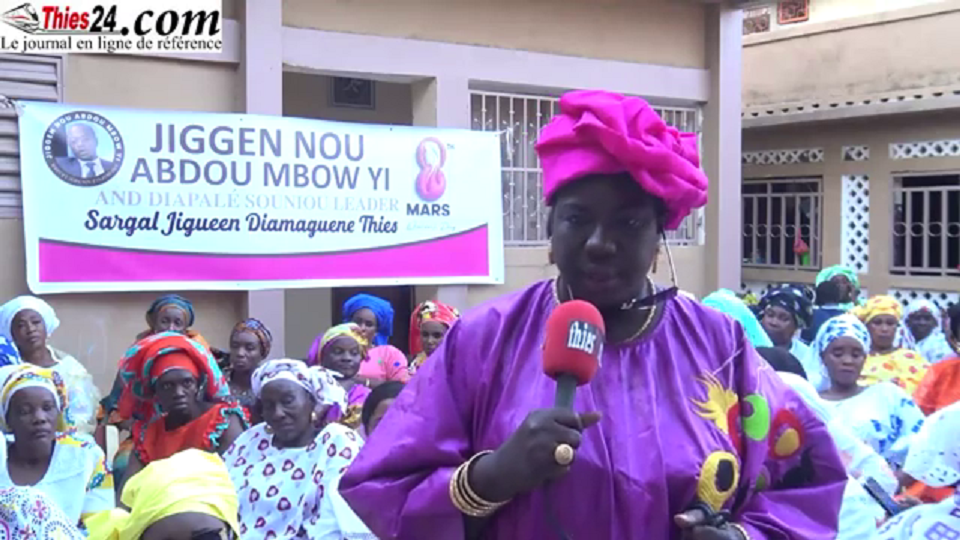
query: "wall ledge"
839, 25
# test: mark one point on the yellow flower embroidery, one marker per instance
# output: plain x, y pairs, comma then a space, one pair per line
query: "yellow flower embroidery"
720, 401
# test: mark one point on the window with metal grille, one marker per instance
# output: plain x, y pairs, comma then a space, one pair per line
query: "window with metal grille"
520, 117
926, 225
782, 220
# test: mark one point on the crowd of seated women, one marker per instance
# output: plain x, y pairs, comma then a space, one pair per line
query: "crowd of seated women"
216, 442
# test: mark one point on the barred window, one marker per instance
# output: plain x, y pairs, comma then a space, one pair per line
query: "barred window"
520, 117
926, 225
782, 221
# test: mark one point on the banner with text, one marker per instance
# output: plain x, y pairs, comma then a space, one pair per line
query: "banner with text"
121, 200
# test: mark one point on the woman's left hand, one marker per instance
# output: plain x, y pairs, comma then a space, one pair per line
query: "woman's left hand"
693, 523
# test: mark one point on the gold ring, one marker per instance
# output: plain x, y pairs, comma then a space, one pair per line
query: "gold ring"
563, 454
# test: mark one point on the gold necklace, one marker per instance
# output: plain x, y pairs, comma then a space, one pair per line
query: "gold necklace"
651, 310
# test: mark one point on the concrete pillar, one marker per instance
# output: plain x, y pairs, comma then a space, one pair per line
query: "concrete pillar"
721, 147
443, 102
262, 68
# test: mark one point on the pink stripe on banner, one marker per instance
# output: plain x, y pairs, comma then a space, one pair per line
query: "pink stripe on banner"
464, 254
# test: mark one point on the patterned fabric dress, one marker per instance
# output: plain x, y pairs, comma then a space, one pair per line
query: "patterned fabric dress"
27, 513
882, 416
294, 492
902, 367
933, 460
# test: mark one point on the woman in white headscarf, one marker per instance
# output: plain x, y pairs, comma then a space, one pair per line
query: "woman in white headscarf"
922, 331
28, 322
882, 414
287, 469
934, 459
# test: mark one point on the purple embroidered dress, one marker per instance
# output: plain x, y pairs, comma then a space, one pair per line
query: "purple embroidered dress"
689, 411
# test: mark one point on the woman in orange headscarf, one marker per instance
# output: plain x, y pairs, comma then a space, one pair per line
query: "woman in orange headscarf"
428, 324
887, 361
179, 397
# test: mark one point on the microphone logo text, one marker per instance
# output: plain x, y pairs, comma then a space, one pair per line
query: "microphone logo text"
584, 337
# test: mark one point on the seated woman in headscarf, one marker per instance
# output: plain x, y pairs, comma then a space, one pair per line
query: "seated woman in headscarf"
428, 324
342, 349
180, 397
287, 470
887, 360
71, 471
28, 513
940, 387
860, 514
168, 313
474, 446
186, 496
28, 322
785, 311
882, 414
848, 281
250, 343
934, 459
923, 331
377, 404
374, 317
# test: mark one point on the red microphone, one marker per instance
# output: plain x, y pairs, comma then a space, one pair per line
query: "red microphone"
572, 347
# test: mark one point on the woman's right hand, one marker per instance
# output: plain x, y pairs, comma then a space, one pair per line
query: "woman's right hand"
527, 459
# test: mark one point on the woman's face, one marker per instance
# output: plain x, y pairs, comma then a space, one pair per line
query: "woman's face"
431, 332
378, 413
844, 359
288, 410
846, 288
883, 330
367, 321
177, 391
343, 356
779, 323
245, 352
32, 416
188, 526
605, 233
921, 323
170, 319
29, 331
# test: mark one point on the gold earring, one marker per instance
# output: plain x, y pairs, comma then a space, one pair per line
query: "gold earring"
313, 417
268, 429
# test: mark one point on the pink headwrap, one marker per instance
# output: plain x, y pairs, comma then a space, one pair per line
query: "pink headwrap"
600, 132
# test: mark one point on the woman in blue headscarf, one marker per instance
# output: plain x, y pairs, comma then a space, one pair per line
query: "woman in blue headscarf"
374, 316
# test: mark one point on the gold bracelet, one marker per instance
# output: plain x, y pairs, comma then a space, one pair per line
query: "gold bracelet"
739, 528
464, 497
460, 501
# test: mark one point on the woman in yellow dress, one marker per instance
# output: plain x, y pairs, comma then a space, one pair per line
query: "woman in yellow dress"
888, 361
